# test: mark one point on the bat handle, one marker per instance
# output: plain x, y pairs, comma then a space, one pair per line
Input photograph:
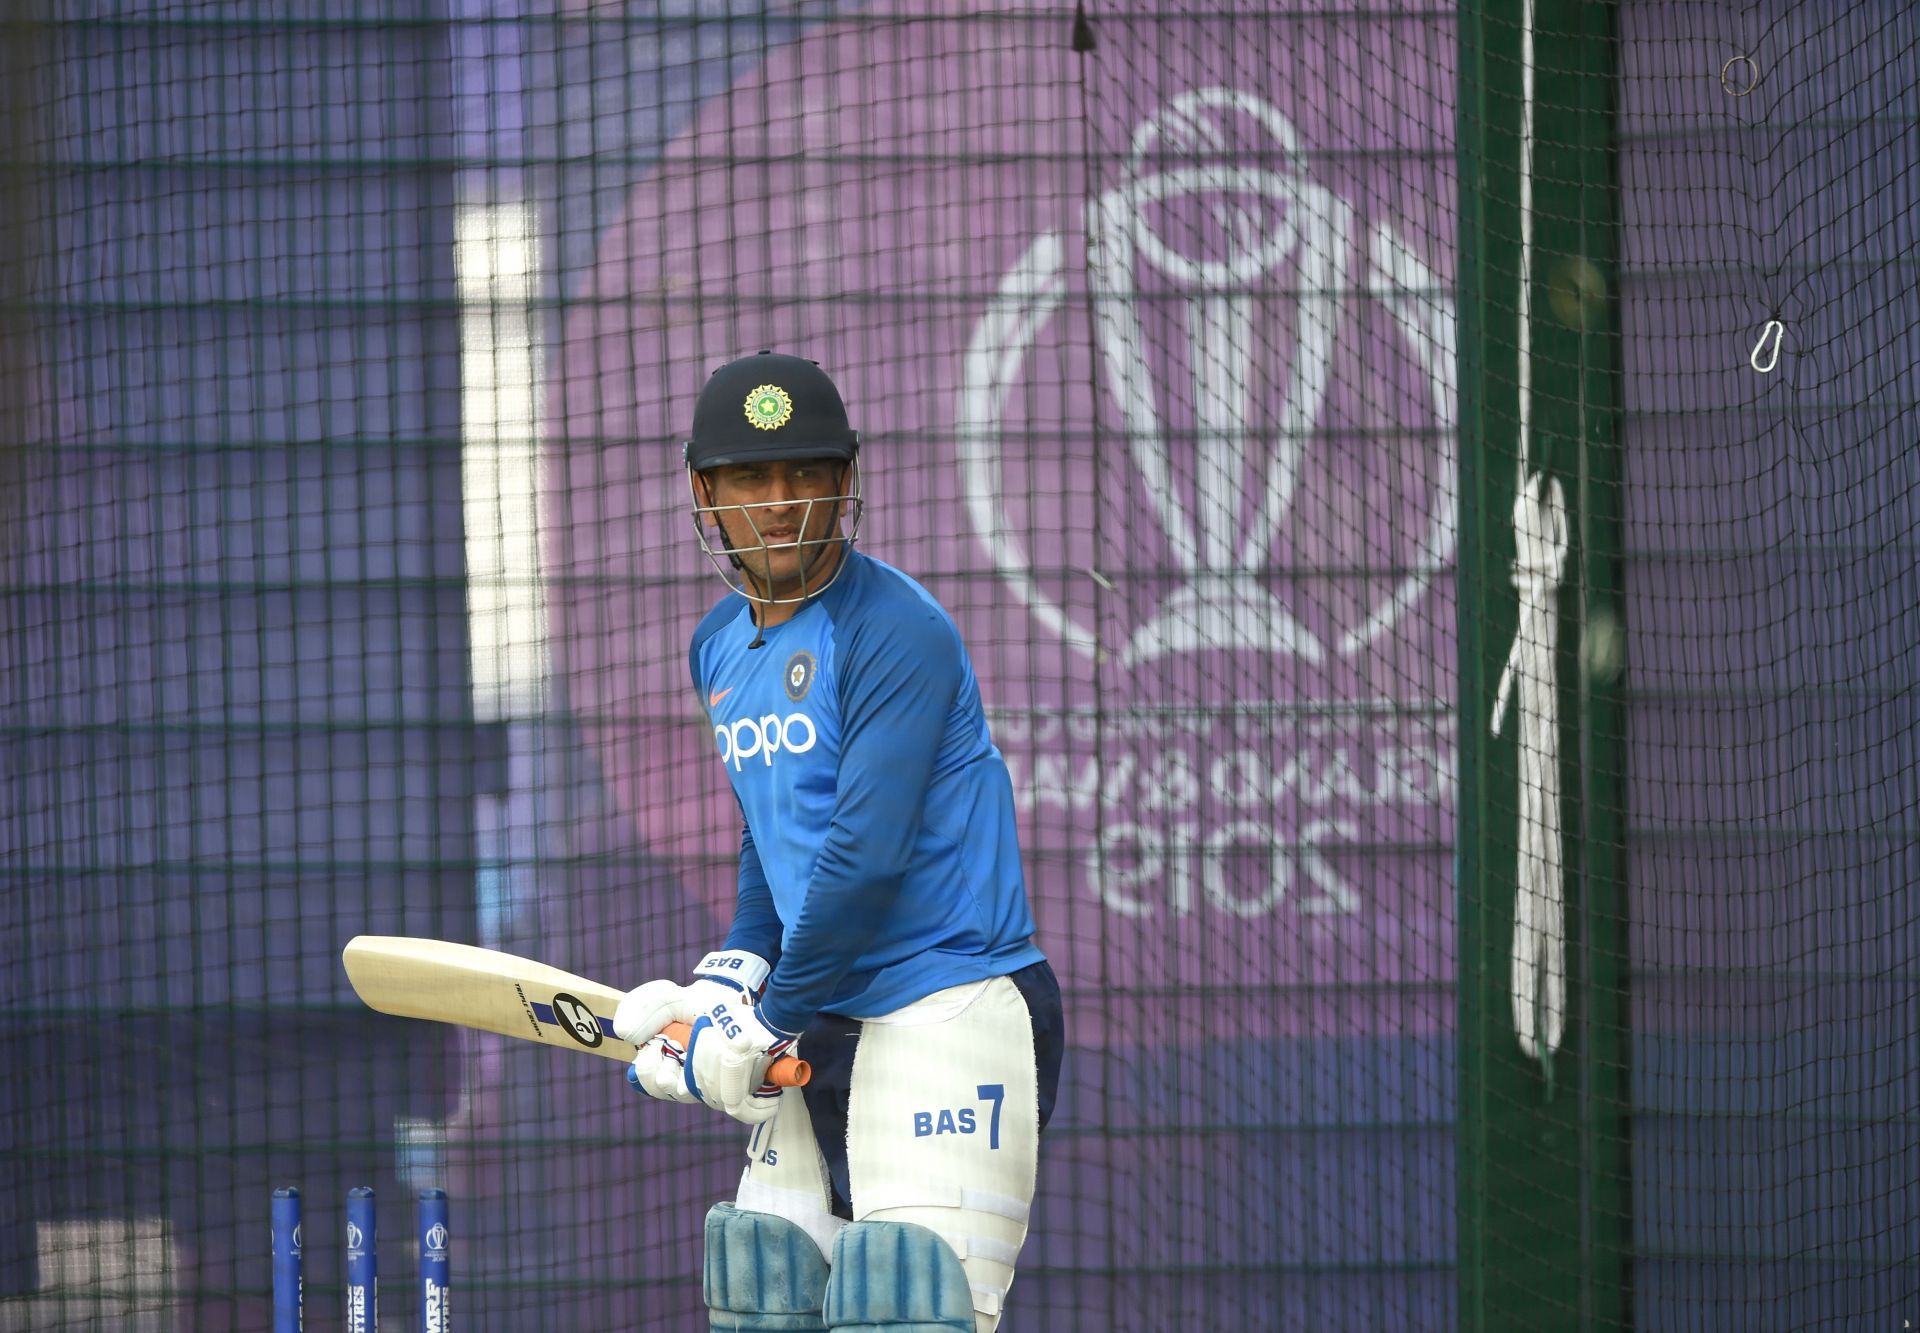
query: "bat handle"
789, 1071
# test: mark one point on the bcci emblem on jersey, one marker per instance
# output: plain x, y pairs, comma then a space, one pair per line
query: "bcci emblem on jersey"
798, 677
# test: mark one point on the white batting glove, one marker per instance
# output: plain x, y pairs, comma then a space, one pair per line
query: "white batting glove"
660, 1068
728, 1055
657, 1069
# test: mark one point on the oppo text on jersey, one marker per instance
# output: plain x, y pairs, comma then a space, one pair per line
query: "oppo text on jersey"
765, 736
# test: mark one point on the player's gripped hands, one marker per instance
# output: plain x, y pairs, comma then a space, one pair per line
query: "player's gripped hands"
729, 1052
660, 1068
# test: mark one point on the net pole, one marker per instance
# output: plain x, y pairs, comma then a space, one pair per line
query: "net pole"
1541, 1161
25, 249
1581, 285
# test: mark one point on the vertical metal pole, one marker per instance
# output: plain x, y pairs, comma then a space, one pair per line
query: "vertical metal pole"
434, 1264
363, 1281
1541, 1155
289, 1296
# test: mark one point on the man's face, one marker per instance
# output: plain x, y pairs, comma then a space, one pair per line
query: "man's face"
773, 515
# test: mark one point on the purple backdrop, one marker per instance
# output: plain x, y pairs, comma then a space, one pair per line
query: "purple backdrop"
1229, 720
1203, 795
1153, 352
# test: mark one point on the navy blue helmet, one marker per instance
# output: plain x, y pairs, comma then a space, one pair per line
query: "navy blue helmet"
766, 407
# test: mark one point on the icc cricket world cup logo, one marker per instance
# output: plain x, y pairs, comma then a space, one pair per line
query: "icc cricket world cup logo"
1279, 252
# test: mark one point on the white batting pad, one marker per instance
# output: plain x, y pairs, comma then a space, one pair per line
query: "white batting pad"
943, 1129
787, 1176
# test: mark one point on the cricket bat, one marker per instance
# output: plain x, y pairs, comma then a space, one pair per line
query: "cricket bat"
499, 992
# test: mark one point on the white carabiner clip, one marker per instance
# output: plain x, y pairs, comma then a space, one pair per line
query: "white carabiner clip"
1772, 329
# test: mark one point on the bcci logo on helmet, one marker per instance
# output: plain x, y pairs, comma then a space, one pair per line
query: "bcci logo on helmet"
1200, 273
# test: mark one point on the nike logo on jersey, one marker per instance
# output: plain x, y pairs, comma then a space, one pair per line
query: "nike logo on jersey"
713, 700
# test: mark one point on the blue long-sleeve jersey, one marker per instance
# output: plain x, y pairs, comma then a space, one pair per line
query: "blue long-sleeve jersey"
878, 860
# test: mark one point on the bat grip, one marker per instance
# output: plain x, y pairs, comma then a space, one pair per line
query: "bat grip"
789, 1071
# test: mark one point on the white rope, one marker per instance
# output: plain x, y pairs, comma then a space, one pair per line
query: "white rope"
1524, 349
1539, 979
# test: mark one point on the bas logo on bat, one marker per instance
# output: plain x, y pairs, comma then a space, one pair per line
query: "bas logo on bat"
580, 1022
569, 1013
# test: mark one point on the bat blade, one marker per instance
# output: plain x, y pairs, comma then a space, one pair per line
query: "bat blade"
471, 987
